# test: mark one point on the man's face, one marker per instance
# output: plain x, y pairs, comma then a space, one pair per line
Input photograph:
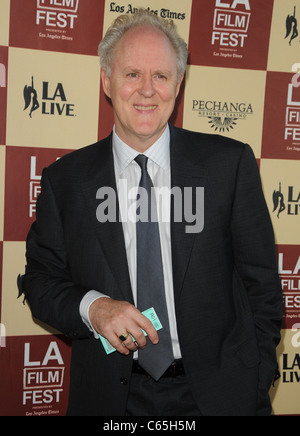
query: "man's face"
143, 86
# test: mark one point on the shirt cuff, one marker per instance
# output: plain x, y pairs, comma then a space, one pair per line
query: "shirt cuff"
84, 309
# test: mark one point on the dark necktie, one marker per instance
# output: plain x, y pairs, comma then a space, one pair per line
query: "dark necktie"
155, 359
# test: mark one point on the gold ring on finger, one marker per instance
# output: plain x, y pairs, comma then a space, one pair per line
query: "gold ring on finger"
123, 337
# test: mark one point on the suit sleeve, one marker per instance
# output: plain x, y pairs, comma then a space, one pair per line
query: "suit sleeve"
47, 285
256, 264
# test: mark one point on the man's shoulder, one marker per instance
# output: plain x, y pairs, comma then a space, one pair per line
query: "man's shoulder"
79, 160
212, 150
207, 141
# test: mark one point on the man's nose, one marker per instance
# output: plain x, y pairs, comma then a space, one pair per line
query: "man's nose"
147, 88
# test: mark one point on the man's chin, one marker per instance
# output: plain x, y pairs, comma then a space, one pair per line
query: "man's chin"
139, 135
149, 132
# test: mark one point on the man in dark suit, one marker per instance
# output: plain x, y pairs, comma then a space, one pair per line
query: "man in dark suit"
87, 272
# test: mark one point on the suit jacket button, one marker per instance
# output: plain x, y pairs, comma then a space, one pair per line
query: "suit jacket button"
124, 381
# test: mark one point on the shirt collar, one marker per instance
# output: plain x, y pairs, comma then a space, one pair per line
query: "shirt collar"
159, 152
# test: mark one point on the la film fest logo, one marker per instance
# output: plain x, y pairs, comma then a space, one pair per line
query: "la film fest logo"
52, 100
289, 271
56, 14
43, 379
292, 122
222, 116
230, 26
34, 185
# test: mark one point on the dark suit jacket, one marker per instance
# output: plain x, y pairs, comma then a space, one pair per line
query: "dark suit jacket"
228, 296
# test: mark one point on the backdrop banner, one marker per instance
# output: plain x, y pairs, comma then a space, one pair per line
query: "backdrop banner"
242, 81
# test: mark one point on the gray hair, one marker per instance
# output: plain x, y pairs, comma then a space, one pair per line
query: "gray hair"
143, 17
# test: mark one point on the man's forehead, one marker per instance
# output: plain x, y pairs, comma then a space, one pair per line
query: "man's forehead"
142, 36
145, 43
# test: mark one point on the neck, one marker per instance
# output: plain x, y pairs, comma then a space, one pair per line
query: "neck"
139, 143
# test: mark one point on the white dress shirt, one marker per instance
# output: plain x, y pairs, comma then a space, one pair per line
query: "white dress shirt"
128, 175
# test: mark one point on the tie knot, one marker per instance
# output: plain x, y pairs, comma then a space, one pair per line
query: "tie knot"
142, 161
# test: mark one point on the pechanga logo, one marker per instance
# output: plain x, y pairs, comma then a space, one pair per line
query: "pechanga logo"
57, 13
289, 203
53, 100
222, 116
231, 26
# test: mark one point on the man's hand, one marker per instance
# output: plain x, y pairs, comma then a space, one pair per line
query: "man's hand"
112, 318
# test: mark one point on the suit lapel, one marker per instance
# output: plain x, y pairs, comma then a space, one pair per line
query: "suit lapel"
110, 234
184, 174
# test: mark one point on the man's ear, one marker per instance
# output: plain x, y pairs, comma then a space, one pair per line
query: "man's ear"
105, 82
179, 84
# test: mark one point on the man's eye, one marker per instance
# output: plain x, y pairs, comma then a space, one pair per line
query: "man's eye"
132, 75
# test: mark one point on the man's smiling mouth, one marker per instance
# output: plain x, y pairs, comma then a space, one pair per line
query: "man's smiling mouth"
144, 108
